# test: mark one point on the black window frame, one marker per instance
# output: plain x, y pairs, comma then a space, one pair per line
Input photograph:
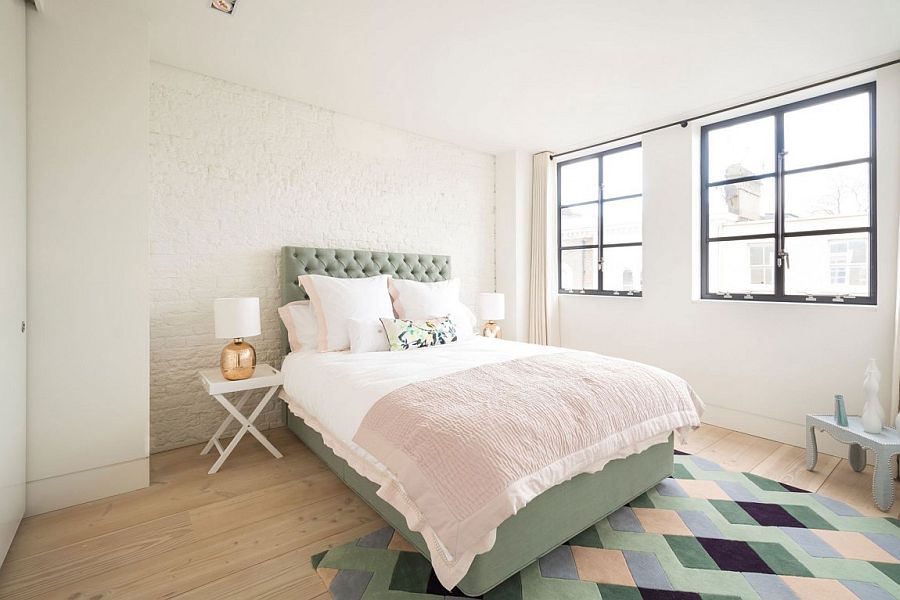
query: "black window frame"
780, 236
599, 246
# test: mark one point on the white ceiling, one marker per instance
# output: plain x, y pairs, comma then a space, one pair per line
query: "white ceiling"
497, 75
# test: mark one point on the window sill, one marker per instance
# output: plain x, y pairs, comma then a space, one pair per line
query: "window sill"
598, 295
779, 303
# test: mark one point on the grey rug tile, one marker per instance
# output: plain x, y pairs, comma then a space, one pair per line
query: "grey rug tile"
866, 591
670, 487
835, 506
376, 539
646, 570
559, 564
624, 519
889, 542
699, 524
811, 543
770, 587
349, 584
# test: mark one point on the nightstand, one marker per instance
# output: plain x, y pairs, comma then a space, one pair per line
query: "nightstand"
217, 386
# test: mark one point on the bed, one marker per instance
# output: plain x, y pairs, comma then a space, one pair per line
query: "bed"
546, 521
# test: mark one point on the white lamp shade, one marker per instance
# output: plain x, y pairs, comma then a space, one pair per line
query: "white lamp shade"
491, 306
236, 317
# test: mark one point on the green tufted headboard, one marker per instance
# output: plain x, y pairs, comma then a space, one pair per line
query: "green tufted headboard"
297, 260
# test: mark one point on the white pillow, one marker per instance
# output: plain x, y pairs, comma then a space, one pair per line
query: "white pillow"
417, 300
300, 322
465, 321
367, 335
336, 300
422, 300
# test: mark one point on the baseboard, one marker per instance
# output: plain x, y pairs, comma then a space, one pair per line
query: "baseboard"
53, 493
769, 428
7, 533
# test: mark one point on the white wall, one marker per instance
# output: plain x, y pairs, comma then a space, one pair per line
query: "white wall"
760, 367
87, 252
513, 240
237, 173
12, 267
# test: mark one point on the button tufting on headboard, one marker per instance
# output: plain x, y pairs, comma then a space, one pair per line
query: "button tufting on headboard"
296, 261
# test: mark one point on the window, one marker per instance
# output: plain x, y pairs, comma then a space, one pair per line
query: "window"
600, 221
848, 263
788, 202
761, 261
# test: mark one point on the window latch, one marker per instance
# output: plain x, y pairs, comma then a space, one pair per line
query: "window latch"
600, 263
779, 163
784, 259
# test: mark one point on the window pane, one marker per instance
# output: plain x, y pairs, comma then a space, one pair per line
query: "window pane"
745, 208
828, 132
622, 269
744, 266
579, 182
743, 149
579, 269
579, 225
623, 173
622, 221
827, 199
828, 265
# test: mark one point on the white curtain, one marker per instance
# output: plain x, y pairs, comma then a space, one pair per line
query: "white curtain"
895, 367
542, 322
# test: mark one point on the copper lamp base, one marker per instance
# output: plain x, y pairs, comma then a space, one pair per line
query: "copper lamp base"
238, 360
491, 330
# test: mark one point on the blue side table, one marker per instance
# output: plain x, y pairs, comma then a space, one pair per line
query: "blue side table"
884, 445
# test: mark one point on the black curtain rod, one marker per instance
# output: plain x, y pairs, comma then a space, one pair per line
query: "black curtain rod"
684, 122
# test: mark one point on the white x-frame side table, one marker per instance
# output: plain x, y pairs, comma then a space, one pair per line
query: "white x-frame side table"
217, 386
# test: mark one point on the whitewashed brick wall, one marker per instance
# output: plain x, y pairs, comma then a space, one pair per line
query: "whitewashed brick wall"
236, 174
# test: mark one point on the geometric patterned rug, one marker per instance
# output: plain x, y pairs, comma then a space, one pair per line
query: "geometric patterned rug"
704, 533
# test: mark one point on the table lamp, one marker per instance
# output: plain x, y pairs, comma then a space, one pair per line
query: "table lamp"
237, 318
491, 309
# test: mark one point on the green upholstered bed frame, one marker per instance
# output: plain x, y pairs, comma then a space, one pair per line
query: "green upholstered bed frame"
552, 518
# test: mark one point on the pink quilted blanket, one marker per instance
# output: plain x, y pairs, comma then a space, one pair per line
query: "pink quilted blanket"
470, 449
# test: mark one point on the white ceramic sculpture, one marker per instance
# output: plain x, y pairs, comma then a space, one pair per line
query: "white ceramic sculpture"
873, 412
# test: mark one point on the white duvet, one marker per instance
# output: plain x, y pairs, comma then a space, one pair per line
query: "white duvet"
337, 389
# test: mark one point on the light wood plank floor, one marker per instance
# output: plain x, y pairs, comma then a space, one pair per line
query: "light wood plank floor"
249, 530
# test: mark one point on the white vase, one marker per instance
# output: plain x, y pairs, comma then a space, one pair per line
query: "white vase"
873, 412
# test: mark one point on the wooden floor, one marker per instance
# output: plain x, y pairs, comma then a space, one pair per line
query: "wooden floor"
249, 530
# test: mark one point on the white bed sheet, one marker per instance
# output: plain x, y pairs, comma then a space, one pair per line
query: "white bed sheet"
337, 389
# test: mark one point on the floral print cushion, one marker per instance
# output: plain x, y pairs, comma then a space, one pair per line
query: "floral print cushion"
403, 334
